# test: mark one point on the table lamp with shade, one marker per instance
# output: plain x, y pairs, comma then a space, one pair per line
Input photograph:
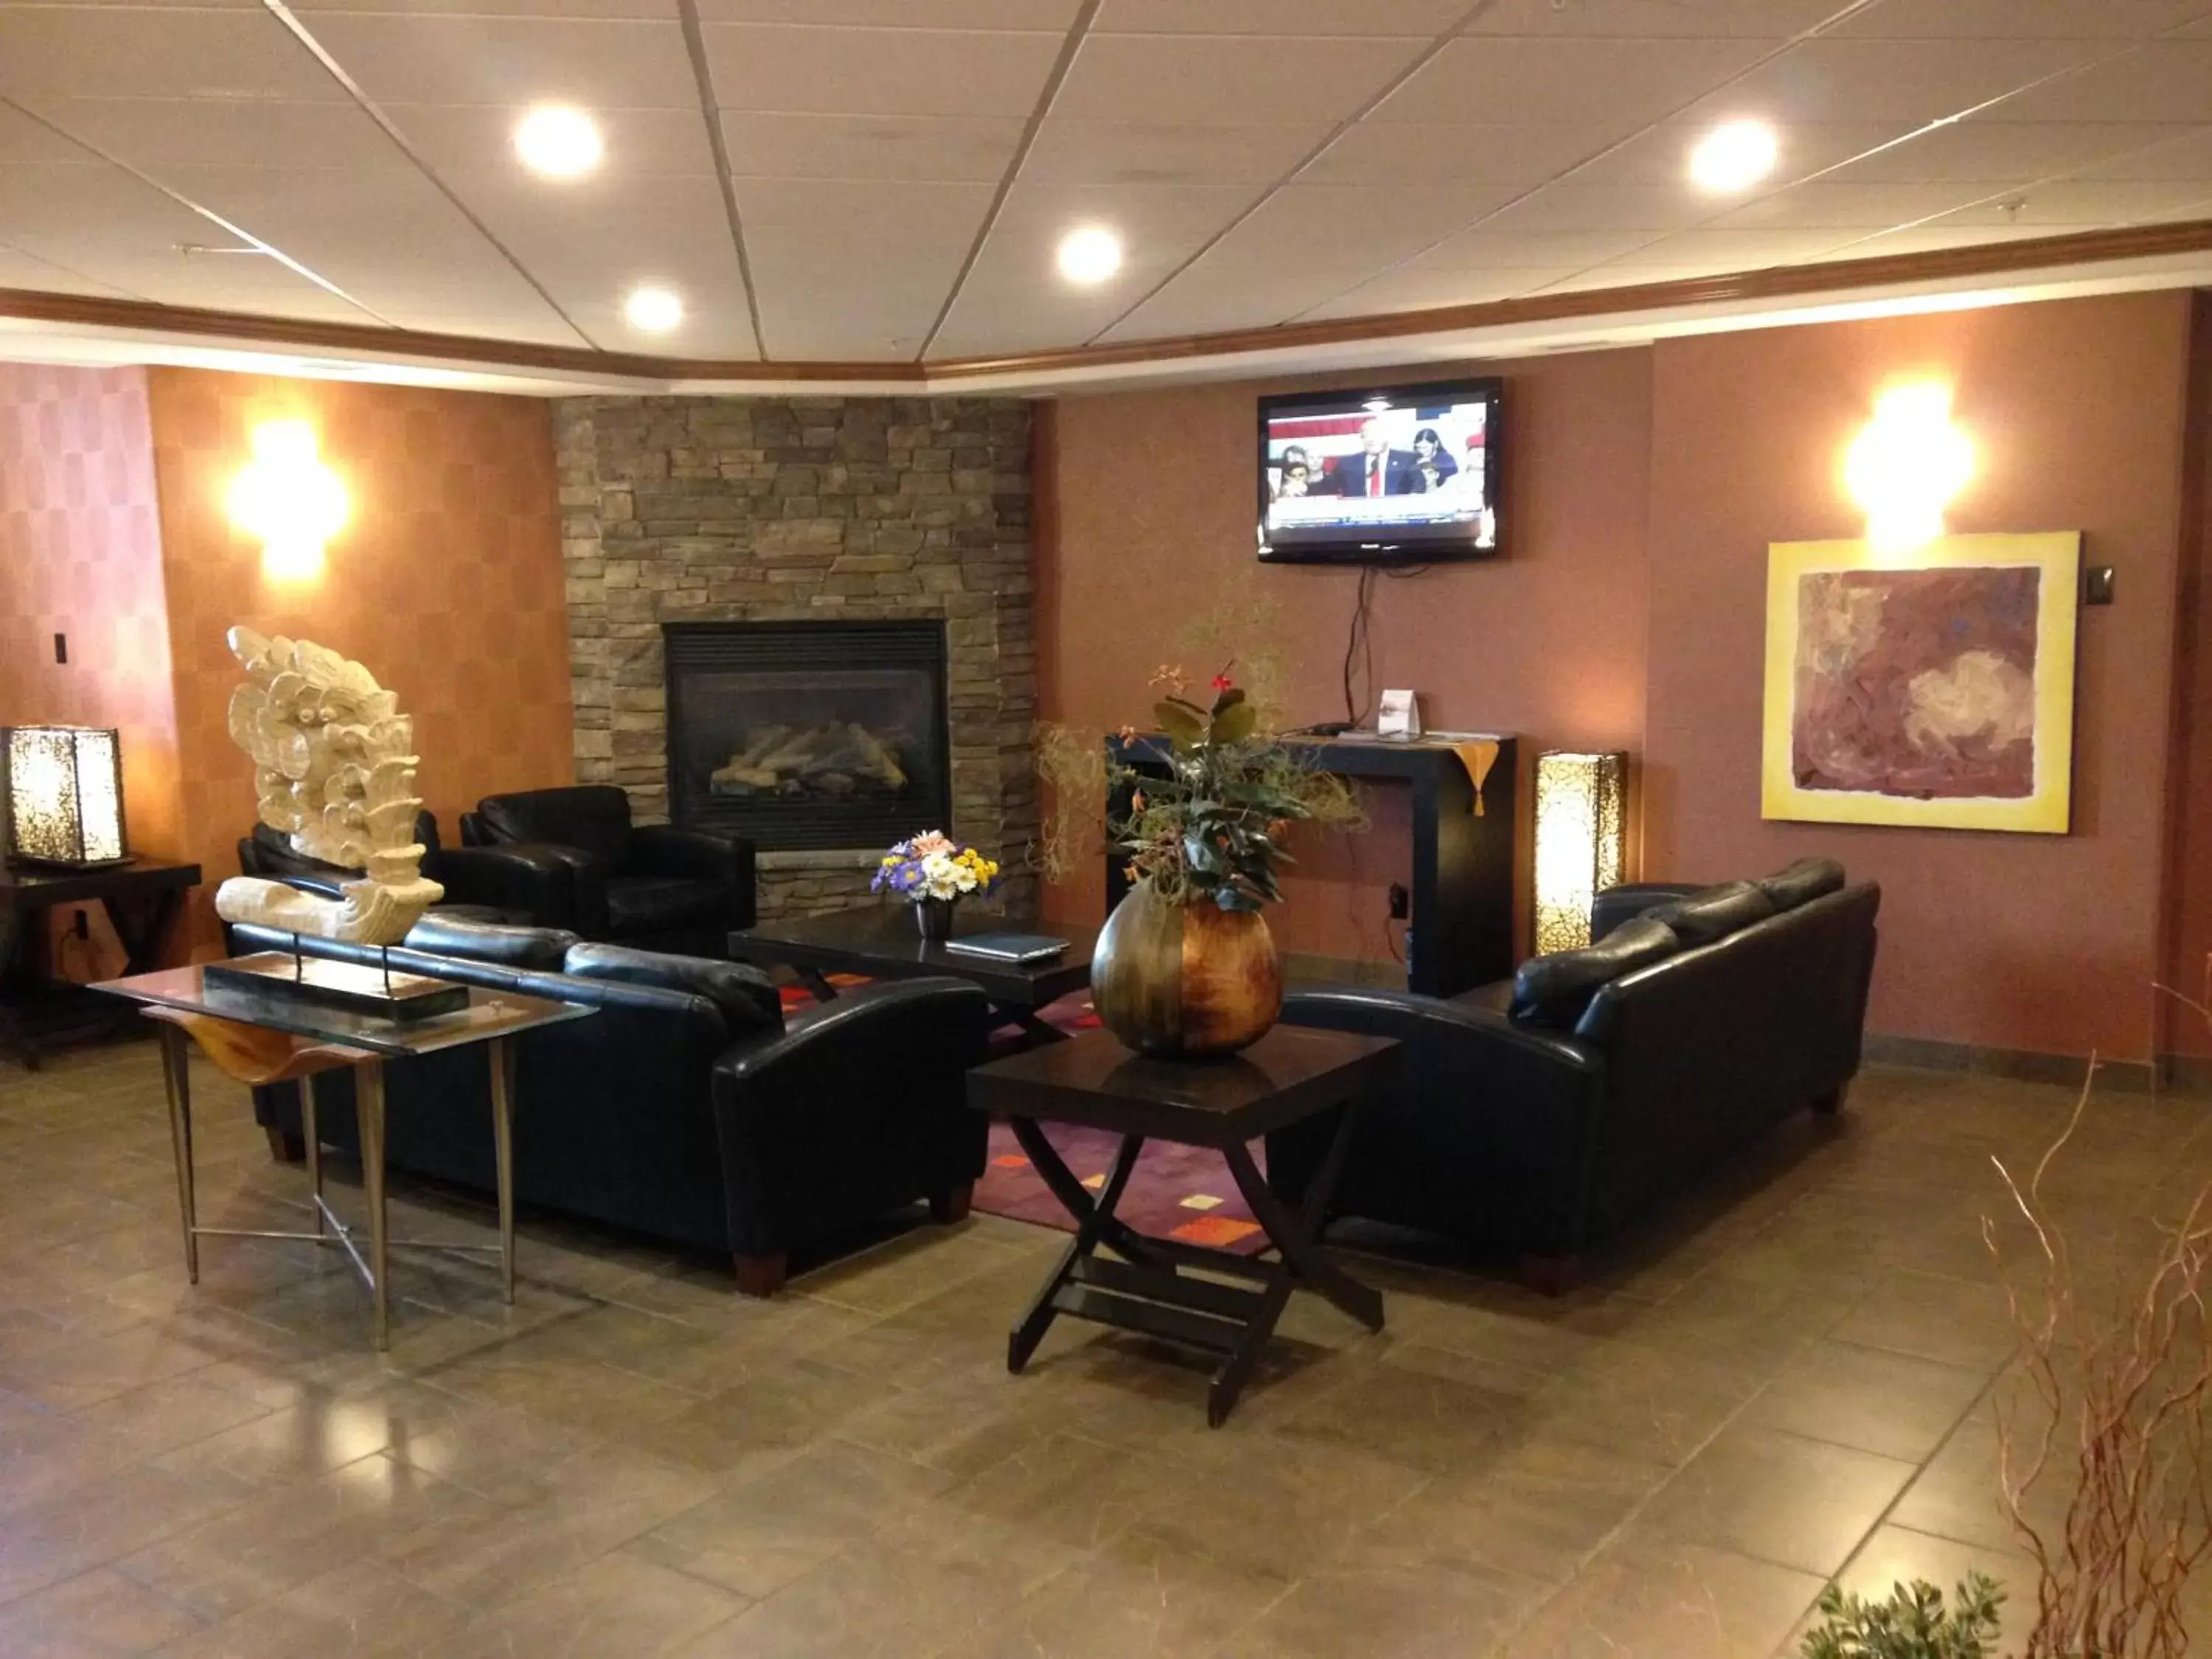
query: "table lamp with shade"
61, 796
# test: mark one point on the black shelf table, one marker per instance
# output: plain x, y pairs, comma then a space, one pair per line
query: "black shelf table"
140, 899
1289, 1075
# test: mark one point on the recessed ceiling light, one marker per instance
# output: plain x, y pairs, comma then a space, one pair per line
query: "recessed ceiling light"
558, 141
1089, 255
655, 310
1734, 156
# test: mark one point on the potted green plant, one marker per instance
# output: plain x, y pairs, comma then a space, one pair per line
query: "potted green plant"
1911, 1624
1186, 967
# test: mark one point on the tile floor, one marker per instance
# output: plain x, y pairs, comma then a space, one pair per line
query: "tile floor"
1792, 1380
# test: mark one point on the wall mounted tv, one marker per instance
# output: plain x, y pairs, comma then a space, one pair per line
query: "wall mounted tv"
1398, 475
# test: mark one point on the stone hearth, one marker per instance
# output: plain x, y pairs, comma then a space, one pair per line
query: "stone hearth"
769, 509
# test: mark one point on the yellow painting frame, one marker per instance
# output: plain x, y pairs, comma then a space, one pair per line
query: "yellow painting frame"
2048, 808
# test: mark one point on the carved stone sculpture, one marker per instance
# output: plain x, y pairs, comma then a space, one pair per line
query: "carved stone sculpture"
333, 770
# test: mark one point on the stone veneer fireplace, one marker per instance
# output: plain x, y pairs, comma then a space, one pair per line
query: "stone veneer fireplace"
912, 512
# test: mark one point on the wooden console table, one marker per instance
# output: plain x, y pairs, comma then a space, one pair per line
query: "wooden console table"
141, 899
1460, 934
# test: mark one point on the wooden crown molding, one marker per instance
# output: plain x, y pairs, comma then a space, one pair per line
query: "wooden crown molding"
1988, 259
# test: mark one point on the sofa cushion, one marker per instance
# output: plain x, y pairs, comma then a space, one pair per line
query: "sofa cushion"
746, 997
594, 817
660, 904
1553, 990
1802, 882
443, 933
1712, 913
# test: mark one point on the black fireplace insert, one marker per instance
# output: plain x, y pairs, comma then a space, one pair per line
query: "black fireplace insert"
809, 734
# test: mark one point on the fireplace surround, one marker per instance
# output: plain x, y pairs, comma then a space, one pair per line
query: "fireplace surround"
911, 511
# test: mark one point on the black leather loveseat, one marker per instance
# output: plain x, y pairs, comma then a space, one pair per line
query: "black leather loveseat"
1620, 1073
684, 1107
653, 886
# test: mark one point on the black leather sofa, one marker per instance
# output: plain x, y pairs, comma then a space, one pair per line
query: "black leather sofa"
653, 886
684, 1108
483, 884
1619, 1074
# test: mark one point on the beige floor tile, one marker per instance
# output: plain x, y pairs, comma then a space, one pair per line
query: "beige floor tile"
1868, 1398
1758, 1492
1654, 1601
100, 1614
1431, 1612
620, 1606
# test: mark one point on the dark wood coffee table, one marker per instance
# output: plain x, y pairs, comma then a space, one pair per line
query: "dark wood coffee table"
141, 899
1288, 1075
882, 942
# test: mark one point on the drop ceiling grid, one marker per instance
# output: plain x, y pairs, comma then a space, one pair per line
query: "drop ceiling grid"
1540, 147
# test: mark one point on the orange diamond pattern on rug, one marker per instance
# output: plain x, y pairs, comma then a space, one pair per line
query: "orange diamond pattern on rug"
1219, 1230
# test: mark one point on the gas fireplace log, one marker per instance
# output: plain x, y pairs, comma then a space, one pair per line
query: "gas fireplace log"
835, 758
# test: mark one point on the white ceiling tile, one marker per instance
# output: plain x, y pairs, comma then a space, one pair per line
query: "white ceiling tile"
954, 149
1625, 276
433, 58
371, 233
1904, 81
1162, 153
1154, 221
50, 52
1661, 155
848, 71
1278, 17
2189, 156
59, 210
1210, 297
1572, 205
1729, 249
21, 269
1571, 81
1019, 14
22, 139
1646, 19
1998, 152
2168, 81
1997, 19
1825, 204
1930, 238
1262, 79
433, 314
473, 137
651, 10
1495, 246
847, 268
1377, 152
1410, 290
1373, 224
2081, 203
196, 129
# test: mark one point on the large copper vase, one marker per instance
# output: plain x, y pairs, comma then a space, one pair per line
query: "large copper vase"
1185, 981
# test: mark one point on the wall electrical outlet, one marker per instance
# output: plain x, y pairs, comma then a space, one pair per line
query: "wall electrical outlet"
1400, 904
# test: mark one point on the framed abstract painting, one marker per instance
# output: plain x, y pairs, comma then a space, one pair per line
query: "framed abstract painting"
1933, 688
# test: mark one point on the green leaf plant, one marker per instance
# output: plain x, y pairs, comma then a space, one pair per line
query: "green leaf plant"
1913, 1623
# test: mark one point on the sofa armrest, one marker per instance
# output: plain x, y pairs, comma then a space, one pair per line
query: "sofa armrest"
1488, 1125
1624, 903
662, 849
528, 878
860, 1105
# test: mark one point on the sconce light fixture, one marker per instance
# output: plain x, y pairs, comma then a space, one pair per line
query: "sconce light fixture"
61, 788
288, 501
1581, 840
1906, 465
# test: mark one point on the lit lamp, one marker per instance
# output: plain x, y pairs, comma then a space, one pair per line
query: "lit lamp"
62, 790
288, 501
1906, 465
1582, 837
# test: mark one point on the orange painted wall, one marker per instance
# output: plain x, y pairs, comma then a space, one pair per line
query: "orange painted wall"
447, 583
2047, 943
1154, 494
1645, 486
2188, 848
80, 555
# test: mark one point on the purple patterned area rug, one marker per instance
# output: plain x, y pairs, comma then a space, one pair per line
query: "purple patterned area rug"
1175, 1192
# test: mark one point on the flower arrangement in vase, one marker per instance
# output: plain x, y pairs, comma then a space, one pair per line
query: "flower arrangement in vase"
933, 872
1186, 967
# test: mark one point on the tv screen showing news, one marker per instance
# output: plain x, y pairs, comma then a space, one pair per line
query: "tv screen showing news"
1405, 474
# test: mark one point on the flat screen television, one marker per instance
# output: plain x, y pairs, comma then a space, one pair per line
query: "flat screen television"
1398, 475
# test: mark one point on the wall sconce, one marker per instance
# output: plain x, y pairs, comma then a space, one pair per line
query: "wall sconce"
288, 501
1582, 841
1906, 465
61, 788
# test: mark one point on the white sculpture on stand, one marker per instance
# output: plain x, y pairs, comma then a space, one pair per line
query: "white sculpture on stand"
333, 770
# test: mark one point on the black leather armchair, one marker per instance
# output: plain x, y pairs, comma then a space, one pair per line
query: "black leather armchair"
684, 1108
653, 885
485, 883
1544, 1132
